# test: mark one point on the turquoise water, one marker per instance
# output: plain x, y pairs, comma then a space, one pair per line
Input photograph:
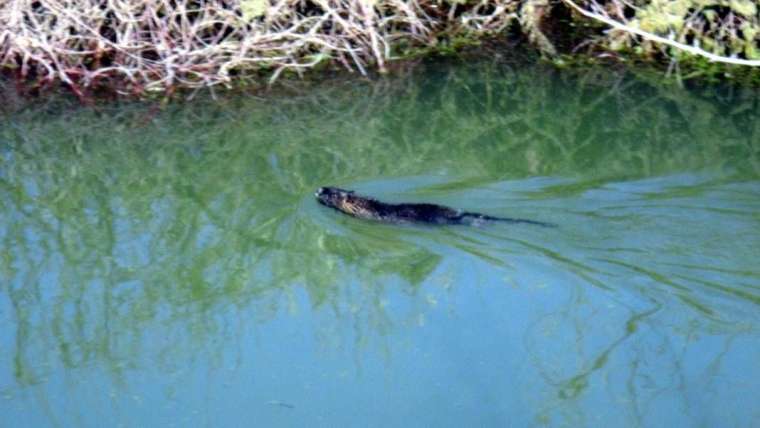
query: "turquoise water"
171, 267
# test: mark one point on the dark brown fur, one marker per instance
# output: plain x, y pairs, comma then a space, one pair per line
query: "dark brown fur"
348, 202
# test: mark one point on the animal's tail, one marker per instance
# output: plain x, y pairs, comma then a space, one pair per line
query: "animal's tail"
475, 217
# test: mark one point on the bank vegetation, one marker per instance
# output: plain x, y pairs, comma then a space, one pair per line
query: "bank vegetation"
138, 47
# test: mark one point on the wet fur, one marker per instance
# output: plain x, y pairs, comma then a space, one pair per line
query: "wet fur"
348, 202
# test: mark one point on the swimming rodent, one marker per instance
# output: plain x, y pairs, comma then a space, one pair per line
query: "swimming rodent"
348, 202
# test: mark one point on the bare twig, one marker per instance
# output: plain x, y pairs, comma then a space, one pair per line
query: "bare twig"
659, 39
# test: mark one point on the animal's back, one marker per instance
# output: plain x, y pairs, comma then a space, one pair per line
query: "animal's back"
421, 213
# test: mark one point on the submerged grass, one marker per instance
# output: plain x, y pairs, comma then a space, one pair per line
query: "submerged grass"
119, 202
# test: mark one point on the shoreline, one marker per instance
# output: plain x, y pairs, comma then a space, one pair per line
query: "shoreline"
157, 49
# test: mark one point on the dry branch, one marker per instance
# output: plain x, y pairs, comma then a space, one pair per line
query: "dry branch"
157, 45
603, 17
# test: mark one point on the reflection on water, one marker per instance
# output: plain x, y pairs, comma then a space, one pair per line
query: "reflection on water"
174, 268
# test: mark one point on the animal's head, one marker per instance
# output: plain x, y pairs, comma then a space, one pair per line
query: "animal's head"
332, 196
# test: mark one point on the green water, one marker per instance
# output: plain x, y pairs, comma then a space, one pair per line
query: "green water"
172, 268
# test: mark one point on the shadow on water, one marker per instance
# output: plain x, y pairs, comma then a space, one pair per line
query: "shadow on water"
118, 225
